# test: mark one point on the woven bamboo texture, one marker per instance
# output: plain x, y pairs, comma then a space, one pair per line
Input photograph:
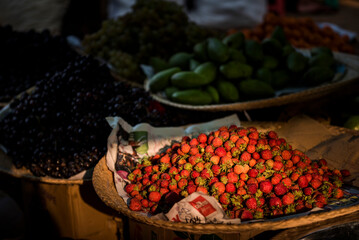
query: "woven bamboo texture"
352, 75
104, 186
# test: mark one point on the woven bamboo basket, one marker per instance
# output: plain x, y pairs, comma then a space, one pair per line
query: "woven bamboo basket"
104, 186
352, 75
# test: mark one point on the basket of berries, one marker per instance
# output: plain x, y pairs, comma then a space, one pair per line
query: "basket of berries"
242, 179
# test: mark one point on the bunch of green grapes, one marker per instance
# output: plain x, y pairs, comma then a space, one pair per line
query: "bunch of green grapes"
154, 28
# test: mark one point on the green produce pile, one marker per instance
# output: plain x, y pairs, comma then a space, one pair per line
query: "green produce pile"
153, 30
235, 69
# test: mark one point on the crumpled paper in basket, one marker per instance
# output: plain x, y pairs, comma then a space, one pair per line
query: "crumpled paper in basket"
199, 208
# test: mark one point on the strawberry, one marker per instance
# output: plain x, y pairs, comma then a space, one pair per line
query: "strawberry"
275, 202
200, 181
246, 215
164, 183
338, 193
295, 159
243, 176
272, 135
253, 135
194, 142
146, 181
202, 189
251, 148
252, 141
220, 151
224, 179
213, 180
164, 191
235, 152
182, 183
253, 172
202, 138
251, 203
266, 186
144, 203
308, 191
191, 188
130, 187
287, 182
280, 189
155, 177
224, 135
199, 166
195, 174
224, 198
309, 177
252, 188
288, 199
294, 176
277, 165
215, 159
256, 156
233, 138
154, 196
216, 169
316, 183
286, 154
193, 151
245, 156
230, 188
228, 145
185, 173
302, 182
135, 204
241, 191
238, 169
217, 142
165, 159
172, 185
266, 154
232, 177
206, 173
218, 188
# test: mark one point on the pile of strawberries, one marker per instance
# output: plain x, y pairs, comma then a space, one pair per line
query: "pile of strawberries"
252, 174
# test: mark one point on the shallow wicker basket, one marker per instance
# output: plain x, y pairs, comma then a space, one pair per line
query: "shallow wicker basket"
352, 75
104, 186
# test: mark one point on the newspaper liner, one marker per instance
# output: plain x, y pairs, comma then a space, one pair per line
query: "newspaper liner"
126, 147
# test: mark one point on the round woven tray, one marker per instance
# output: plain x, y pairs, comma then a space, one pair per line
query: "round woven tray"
105, 188
352, 75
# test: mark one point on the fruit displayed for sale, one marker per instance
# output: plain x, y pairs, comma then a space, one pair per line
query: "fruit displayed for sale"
300, 32
27, 57
237, 69
252, 174
152, 31
60, 129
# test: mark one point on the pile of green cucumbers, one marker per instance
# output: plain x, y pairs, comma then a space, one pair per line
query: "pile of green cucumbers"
236, 69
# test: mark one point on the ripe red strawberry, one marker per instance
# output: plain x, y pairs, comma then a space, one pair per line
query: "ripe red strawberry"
154, 196
295, 159
216, 169
338, 193
245, 156
146, 181
195, 174
241, 191
218, 188
266, 187
191, 188
224, 134
185, 148
309, 177
253, 135
165, 159
164, 191
224, 179
246, 215
164, 183
288, 199
251, 203
182, 183
130, 187
172, 185
135, 204
253, 141
316, 183
213, 180
235, 152
185, 173
232, 177
256, 156
228, 145
206, 173
199, 166
230, 188
287, 182
252, 188
243, 176
280, 189
302, 182
144, 203
272, 135
275, 202
202, 138
286, 155
251, 148
238, 169
308, 191
277, 165
215, 159
193, 151
275, 180
217, 142
234, 137
194, 142
202, 189
220, 151
266, 154
155, 177
224, 198
253, 172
